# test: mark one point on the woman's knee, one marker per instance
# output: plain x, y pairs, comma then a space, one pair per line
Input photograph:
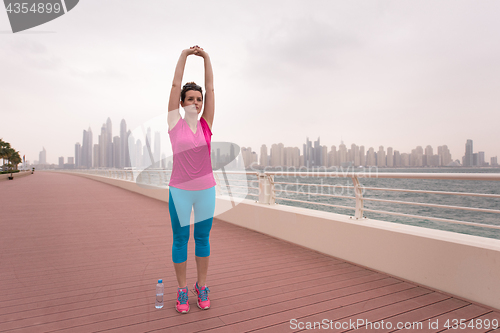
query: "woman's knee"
180, 245
181, 237
202, 230
201, 238
179, 255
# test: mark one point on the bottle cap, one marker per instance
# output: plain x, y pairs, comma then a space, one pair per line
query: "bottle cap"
160, 281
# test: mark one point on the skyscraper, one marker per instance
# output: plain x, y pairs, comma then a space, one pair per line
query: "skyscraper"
416, 156
324, 156
480, 159
263, 156
146, 157
287, 156
397, 158
405, 159
370, 157
342, 154
296, 157
96, 163
248, 156
137, 162
317, 154
390, 157
78, 155
362, 156
103, 147
87, 147
85, 156
381, 162
255, 158
42, 156
109, 144
304, 149
469, 151
427, 160
333, 156
116, 152
355, 155
127, 149
232, 157
277, 155
123, 144
445, 155
281, 150
309, 154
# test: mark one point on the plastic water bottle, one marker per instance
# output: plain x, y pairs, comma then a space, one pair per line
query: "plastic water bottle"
159, 294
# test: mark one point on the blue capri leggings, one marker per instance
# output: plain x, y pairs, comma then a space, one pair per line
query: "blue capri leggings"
180, 205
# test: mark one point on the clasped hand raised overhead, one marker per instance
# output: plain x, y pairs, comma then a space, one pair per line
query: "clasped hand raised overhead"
196, 50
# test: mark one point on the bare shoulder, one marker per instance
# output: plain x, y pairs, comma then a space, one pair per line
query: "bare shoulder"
173, 118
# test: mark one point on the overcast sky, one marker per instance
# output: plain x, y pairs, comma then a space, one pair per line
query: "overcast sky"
375, 73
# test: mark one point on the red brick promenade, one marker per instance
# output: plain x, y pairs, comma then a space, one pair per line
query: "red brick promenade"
77, 255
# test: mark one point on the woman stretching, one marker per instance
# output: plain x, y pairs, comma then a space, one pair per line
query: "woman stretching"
192, 183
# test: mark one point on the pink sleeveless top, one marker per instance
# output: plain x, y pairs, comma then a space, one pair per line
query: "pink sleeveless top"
192, 166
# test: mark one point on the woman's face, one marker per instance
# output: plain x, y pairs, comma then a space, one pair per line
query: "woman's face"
194, 98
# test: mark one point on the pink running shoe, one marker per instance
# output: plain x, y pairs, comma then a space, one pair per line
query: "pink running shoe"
202, 292
182, 300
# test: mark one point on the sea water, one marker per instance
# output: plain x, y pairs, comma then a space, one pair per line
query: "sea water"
468, 186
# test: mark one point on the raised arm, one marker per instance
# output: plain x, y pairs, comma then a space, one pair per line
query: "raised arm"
173, 115
175, 92
209, 107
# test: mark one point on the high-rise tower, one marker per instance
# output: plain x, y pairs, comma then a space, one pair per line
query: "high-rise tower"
42, 156
103, 147
263, 155
469, 151
317, 153
342, 154
87, 147
109, 144
390, 157
123, 143
78, 155
381, 161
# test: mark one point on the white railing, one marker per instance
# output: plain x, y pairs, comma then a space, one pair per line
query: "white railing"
360, 199
268, 194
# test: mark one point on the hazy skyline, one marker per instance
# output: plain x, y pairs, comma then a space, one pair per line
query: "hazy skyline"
374, 73
164, 148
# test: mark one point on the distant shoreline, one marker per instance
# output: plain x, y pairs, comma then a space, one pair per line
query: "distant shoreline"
350, 168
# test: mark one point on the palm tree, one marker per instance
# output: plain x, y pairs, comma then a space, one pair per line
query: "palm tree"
8, 153
4, 146
12, 156
15, 159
